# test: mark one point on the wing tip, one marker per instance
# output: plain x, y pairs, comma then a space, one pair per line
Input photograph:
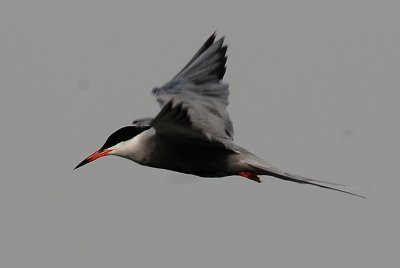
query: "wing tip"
209, 41
211, 53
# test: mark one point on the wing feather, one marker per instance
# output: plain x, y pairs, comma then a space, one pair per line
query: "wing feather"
193, 104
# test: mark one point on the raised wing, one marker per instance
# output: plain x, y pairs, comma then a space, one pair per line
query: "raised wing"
193, 103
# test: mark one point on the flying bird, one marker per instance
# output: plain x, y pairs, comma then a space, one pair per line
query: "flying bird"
193, 132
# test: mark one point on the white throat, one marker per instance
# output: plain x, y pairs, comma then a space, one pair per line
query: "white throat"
137, 149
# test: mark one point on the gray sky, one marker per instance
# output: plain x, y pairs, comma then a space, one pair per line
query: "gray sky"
314, 90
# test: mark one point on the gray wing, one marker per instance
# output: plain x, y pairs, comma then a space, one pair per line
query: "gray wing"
193, 104
143, 122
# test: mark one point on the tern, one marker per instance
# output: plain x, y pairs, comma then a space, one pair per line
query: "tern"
193, 132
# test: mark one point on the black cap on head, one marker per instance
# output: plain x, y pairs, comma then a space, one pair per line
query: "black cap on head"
123, 134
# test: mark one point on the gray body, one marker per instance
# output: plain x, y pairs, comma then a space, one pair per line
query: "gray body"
202, 159
163, 152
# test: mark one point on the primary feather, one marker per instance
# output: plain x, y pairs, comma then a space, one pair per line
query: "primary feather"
199, 94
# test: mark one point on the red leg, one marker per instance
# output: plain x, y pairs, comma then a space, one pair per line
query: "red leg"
250, 176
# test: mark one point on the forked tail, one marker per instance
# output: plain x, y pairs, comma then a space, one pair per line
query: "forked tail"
257, 169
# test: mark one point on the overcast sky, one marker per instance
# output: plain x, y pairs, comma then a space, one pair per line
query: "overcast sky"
314, 90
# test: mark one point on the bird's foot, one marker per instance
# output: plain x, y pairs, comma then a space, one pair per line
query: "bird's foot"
250, 176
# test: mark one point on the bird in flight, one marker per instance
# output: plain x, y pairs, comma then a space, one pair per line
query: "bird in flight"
193, 132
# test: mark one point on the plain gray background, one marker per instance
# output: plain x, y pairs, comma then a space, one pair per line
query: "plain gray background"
314, 90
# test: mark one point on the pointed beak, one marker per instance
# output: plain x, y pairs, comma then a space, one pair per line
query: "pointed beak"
94, 156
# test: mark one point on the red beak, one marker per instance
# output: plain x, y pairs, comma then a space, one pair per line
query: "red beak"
94, 156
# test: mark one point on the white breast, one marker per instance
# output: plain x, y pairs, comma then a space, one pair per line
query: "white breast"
138, 148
